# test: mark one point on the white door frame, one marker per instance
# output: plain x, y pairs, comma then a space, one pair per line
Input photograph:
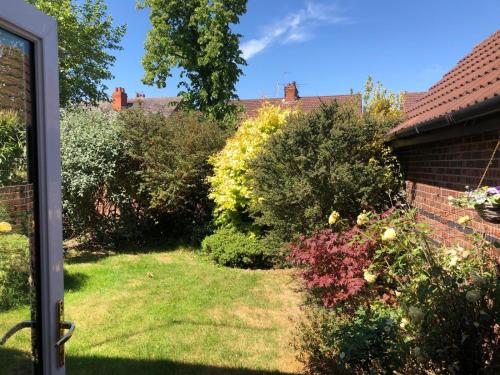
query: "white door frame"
28, 22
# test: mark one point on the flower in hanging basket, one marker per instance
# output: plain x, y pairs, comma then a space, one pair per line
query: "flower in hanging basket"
472, 198
485, 200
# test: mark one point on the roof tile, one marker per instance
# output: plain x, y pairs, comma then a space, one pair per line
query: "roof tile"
474, 79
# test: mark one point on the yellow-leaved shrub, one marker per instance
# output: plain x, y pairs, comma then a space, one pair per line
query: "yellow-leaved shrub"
230, 183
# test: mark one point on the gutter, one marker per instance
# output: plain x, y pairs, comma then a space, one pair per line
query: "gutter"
484, 108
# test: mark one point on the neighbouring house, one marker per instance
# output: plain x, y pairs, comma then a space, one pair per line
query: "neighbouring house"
120, 100
410, 99
447, 140
291, 99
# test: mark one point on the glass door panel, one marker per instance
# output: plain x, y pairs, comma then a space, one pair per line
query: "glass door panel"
18, 250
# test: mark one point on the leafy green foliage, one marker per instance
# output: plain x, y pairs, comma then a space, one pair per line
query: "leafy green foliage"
86, 38
366, 342
14, 270
12, 148
230, 247
97, 178
231, 183
196, 37
329, 160
170, 156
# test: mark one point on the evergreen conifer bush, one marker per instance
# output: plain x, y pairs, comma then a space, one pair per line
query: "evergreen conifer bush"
333, 159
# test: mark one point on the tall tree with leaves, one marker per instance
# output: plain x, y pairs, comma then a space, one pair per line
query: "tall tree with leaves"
196, 36
86, 38
381, 102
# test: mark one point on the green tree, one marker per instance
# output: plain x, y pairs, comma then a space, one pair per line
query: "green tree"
195, 36
86, 38
381, 102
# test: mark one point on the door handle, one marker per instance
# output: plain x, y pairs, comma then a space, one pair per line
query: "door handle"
63, 337
70, 327
19, 326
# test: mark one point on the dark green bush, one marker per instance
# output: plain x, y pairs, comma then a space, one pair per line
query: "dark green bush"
171, 158
330, 159
14, 270
230, 247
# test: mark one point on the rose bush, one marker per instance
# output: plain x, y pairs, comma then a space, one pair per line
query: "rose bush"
442, 301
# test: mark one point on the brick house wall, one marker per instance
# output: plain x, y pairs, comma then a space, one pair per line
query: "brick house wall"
433, 171
18, 201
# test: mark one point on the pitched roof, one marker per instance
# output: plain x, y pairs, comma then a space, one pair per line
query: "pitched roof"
166, 105
305, 103
475, 79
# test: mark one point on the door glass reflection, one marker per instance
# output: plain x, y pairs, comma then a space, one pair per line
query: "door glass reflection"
18, 256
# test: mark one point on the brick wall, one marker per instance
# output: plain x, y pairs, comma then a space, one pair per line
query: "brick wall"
18, 201
437, 170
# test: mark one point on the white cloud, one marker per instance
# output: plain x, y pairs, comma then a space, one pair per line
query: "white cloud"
295, 27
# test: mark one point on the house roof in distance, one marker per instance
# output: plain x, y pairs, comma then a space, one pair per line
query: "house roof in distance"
305, 103
410, 99
291, 99
474, 80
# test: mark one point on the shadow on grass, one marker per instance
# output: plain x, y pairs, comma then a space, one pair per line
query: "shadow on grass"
74, 280
88, 254
16, 360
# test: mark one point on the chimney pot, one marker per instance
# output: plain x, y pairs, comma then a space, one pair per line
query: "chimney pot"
120, 98
291, 92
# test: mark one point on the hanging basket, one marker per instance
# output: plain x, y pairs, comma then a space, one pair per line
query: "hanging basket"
489, 212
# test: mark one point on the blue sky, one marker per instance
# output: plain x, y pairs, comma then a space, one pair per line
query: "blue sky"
330, 46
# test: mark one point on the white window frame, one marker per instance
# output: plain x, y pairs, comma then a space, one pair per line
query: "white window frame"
26, 21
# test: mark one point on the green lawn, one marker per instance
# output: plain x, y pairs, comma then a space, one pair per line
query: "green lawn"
172, 312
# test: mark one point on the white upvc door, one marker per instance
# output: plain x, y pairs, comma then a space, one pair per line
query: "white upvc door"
30, 194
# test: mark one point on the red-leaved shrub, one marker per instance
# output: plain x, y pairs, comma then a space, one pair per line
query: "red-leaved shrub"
333, 263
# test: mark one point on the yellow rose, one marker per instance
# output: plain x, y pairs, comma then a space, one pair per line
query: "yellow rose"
369, 277
5, 227
333, 218
389, 235
362, 219
453, 261
404, 323
464, 220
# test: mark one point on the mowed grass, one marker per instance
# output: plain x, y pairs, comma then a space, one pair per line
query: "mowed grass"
172, 312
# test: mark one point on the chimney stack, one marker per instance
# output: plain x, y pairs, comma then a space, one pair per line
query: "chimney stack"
119, 98
291, 92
